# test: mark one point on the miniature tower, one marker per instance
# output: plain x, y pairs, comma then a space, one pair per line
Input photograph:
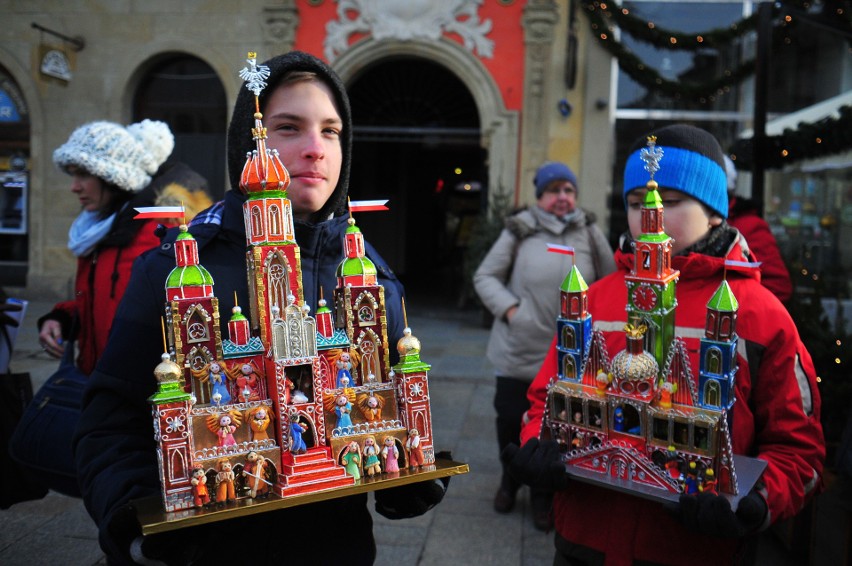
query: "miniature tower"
412, 379
718, 363
651, 284
193, 313
573, 326
360, 304
170, 408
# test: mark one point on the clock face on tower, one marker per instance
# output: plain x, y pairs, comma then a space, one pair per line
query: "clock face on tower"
644, 297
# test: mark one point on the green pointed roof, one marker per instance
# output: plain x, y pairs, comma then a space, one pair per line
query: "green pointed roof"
723, 300
653, 199
574, 282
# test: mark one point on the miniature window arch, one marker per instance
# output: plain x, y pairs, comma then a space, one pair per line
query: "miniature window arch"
661, 428
596, 414
256, 221
711, 324
366, 310
368, 346
178, 468
558, 408
577, 413
712, 393
274, 216
680, 435
713, 360
725, 326
702, 434
569, 367
575, 305
276, 276
197, 326
569, 337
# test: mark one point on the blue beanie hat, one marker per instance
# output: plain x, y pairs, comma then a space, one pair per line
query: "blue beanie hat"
552, 171
693, 163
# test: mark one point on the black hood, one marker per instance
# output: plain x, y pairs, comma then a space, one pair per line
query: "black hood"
240, 140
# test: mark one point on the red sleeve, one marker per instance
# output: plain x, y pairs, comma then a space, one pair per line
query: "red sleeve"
537, 395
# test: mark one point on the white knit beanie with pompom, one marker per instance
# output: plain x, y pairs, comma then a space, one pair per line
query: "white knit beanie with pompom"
124, 157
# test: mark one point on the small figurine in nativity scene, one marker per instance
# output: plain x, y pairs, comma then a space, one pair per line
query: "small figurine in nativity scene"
200, 494
225, 490
371, 406
224, 425
297, 443
351, 460
415, 452
248, 383
372, 466
254, 470
258, 419
390, 454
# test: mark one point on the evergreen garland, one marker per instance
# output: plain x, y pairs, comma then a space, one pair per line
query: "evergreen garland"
827, 136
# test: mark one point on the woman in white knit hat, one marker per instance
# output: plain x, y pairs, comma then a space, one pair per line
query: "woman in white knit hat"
113, 170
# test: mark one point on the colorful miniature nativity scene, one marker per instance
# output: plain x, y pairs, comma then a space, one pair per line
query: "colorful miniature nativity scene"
281, 404
641, 422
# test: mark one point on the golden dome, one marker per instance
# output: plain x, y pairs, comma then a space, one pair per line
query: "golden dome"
408, 344
167, 371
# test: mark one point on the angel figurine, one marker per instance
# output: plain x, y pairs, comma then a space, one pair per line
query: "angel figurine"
344, 360
371, 457
371, 406
340, 404
248, 382
351, 460
390, 454
224, 426
212, 374
258, 419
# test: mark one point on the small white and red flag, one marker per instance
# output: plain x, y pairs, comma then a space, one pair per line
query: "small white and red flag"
736, 265
556, 248
367, 205
159, 212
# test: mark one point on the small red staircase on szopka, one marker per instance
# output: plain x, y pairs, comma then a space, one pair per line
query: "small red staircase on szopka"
314, 470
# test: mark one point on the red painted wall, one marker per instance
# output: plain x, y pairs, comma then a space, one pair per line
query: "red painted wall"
506, 66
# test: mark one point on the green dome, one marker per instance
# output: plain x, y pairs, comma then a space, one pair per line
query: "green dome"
189, 275
356, 266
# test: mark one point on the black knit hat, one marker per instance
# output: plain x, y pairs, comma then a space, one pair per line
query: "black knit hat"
240, 140
693, 163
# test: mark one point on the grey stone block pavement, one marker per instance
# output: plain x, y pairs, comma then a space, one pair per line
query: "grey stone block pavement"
463, 529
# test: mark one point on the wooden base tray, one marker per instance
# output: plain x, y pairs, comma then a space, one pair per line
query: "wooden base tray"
153, 519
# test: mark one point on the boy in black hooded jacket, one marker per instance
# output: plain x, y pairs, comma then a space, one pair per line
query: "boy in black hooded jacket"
306, 111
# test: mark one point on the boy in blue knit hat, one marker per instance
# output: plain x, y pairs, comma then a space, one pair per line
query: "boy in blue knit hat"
777, 413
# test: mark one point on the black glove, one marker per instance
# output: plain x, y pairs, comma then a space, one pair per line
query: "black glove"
412, 500
538, 464
710, 514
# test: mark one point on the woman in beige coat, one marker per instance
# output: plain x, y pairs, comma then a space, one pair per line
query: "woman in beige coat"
518, 282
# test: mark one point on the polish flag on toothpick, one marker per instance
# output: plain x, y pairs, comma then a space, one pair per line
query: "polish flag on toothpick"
367, 205
735, 265
556, 248
159, 212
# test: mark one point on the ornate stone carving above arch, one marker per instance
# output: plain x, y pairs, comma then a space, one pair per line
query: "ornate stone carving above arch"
499, 126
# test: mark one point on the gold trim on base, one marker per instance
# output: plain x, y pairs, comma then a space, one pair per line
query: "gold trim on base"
153, 519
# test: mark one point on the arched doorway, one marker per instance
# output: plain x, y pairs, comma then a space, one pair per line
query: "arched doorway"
185, 92
14, 182
417, 143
